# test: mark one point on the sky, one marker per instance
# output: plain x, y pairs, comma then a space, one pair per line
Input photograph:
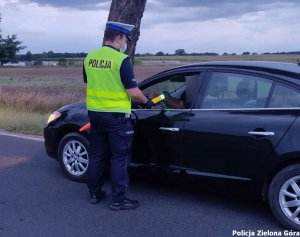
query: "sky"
219, 26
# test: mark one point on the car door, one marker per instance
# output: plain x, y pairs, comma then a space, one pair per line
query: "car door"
230, 133
158, 131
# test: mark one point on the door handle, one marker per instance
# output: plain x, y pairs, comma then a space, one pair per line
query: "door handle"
261, 133
169, 129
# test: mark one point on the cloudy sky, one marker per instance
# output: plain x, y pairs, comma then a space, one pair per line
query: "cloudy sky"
231, 26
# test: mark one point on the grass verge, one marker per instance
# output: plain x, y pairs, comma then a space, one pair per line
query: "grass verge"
22, 121
26, 102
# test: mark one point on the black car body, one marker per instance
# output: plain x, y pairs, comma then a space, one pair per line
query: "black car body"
240, 122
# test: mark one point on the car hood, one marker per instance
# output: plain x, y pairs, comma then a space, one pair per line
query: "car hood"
80, 105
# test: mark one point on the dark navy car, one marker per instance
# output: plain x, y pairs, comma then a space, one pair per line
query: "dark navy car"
239, 121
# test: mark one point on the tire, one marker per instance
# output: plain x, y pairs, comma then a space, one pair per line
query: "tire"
73, 156
284, 197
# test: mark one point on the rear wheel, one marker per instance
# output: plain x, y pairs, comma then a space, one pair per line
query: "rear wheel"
73, 156
284, 197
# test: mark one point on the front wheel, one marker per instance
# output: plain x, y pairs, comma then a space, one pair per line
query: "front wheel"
73, 156
284, 197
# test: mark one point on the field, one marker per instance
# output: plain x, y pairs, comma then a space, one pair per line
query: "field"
29, 95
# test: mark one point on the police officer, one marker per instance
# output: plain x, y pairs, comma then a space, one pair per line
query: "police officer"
110, 87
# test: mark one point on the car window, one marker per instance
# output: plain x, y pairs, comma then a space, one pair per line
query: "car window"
284, 96
181, 87
233, 90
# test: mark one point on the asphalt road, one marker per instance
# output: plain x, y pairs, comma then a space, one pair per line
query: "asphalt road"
36, 199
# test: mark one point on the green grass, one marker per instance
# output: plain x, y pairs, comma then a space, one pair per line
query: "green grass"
26, 102
22, 121
293, 58
53, 82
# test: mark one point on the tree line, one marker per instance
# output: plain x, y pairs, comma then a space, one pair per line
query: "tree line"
180, 52
49, 55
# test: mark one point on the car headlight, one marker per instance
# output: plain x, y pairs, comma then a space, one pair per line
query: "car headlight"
55, 115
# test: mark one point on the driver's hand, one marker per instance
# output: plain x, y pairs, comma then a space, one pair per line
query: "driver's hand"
174, 103
153, 95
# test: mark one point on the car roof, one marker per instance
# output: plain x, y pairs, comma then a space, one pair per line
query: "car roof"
268, 66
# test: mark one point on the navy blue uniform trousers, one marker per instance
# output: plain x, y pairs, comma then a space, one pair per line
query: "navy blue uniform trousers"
111, 138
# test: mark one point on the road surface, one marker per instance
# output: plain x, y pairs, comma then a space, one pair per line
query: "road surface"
36, 199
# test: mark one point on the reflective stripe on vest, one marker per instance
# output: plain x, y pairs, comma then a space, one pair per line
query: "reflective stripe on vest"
105, 90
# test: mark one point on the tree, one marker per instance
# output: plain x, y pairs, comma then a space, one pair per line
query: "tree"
51, 54
130, 12
62, 62
9, 47
160, 53
179, 52
28, 56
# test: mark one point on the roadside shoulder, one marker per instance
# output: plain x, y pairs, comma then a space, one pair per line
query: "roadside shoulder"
20, 135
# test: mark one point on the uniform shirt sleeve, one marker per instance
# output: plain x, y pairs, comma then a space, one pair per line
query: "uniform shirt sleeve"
84, 75
126, 73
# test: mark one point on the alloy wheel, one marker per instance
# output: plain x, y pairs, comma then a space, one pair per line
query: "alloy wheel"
75, 158
289, 199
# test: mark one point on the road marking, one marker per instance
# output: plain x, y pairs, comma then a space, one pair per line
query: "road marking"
28, 137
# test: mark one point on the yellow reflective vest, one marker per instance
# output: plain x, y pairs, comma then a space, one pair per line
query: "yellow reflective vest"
105, 90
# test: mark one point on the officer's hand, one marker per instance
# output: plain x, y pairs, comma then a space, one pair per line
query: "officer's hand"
149, 104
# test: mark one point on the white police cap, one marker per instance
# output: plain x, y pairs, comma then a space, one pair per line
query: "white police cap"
121, 27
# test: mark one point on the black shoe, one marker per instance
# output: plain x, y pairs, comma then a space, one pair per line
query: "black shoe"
126, 204
95, 198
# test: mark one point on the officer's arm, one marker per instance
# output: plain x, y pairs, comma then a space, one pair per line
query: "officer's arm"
129, 82
137, 95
